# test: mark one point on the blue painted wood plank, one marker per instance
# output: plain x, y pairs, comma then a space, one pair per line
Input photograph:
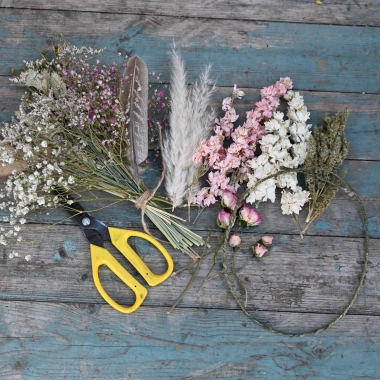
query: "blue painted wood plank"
75, 341
350, 12
316, 57
316, 274
364, 177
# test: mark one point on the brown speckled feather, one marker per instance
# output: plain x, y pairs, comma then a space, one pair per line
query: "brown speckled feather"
134, 101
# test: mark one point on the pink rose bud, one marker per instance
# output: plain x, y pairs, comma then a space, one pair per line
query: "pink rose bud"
250, 216
237, 92
223, 220
259, 250
267, 240
234, 241
229, 200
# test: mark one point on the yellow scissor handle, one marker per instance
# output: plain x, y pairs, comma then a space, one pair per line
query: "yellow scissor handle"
119, 238
101, 256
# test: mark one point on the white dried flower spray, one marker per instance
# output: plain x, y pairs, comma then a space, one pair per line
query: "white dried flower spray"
284, 146
191, 121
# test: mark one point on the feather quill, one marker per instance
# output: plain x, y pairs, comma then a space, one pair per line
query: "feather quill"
191, 121
134, 102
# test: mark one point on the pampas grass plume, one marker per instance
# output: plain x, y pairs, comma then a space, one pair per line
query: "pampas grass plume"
191, 122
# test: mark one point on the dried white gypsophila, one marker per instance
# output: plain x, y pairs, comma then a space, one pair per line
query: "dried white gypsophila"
191, 121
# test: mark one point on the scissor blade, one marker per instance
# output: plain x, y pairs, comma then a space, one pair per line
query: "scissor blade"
95, 231
94, 237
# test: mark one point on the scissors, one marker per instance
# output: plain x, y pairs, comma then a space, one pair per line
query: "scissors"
97, 234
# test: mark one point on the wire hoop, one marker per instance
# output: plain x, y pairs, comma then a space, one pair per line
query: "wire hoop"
364, 267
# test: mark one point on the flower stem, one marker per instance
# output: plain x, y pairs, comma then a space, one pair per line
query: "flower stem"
295, 216
194, 274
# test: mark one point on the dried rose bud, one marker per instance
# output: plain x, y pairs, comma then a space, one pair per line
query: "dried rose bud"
234, 241
267, 240
259, 250
229, 200
224, 219
237, 92
250, 216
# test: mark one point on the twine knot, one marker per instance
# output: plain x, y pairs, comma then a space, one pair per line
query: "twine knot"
142, 200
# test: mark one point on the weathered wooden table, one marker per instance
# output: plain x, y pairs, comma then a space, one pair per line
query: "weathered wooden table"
53, 322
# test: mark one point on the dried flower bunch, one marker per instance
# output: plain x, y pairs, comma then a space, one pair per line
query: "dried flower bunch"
283, 144
72, 135
328, 147
230, 166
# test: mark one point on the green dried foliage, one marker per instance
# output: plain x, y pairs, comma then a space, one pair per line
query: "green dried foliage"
328, 148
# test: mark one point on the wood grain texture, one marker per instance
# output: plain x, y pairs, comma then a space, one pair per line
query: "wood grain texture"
317, 274
54, 324
329, 12
253, 55
361, 130
90, 341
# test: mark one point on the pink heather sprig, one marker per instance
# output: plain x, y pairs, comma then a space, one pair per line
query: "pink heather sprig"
228, 164
94, 89
158, 103
94, 92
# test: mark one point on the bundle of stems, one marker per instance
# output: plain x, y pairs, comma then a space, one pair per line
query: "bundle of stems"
116, 178
70, 134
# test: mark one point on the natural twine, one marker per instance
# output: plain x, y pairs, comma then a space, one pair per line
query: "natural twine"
142, 202
362, 277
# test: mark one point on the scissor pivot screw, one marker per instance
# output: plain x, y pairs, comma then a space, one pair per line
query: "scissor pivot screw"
86, 221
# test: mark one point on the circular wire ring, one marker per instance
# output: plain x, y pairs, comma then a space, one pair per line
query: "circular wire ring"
364, 268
